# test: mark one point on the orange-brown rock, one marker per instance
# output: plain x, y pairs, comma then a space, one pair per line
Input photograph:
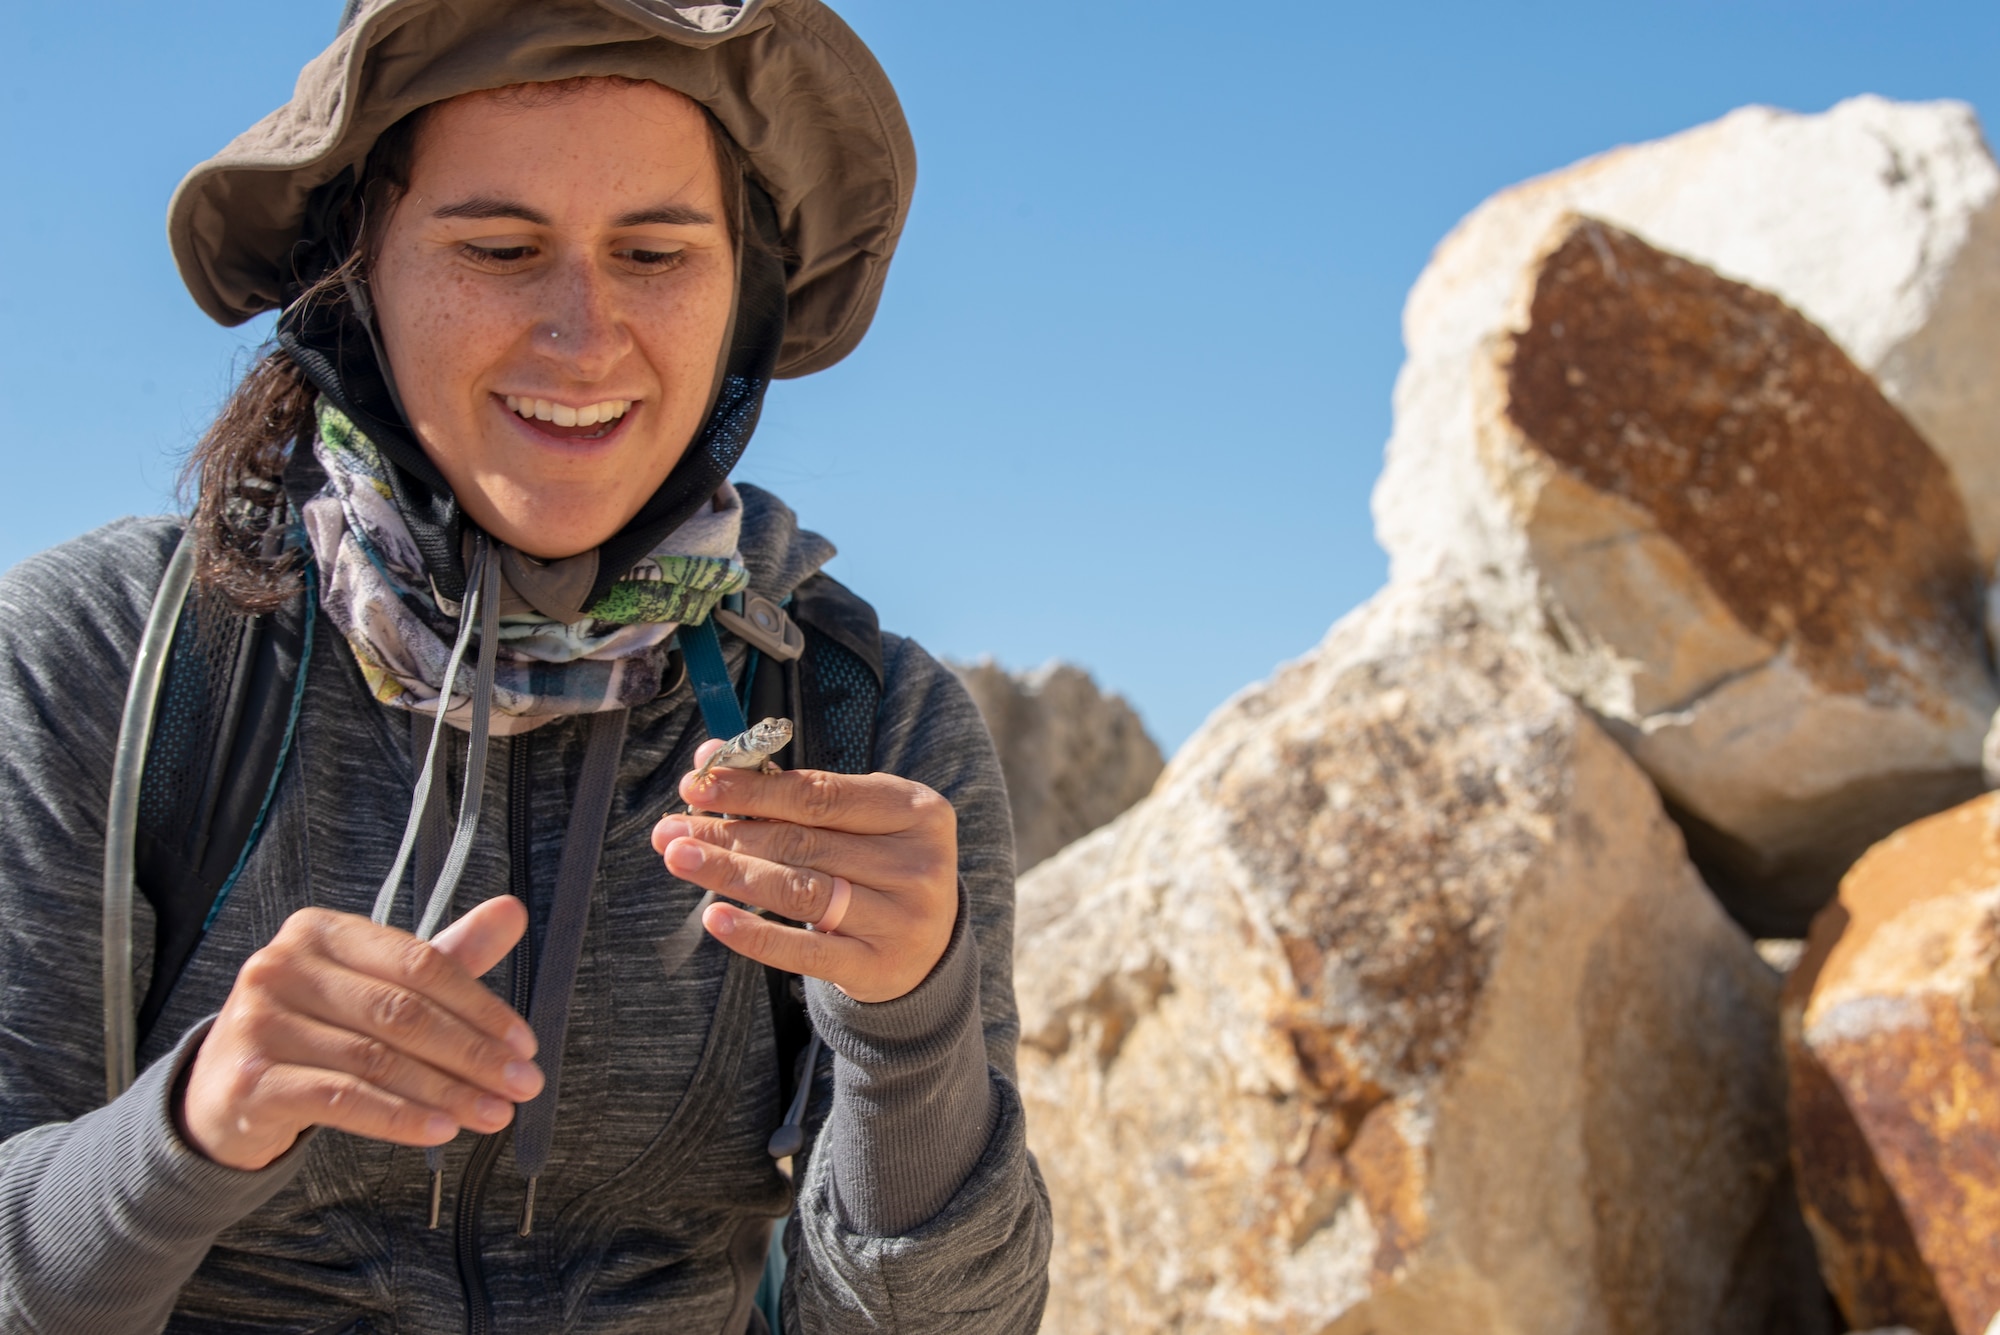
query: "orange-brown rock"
1891, 1023
1397, 1007
1711, 527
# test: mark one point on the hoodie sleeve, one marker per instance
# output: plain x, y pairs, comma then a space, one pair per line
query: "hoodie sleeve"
104, 1210
920, 1207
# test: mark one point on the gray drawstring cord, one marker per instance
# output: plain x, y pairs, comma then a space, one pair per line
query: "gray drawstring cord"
562, 948
483, 601
472, 795
482, 604
434, 834
128, 771
433, 846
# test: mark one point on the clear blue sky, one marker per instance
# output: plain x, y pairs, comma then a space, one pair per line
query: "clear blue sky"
1129, 385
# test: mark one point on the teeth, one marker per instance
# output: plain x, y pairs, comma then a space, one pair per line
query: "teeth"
610, 410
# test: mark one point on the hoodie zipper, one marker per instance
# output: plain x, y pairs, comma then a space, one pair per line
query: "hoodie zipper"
478, 1168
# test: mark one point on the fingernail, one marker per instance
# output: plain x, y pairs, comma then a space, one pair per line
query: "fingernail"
523, 1079
722, 922
439, 1127
684, 856
522, 1040
672, 828
490, 1109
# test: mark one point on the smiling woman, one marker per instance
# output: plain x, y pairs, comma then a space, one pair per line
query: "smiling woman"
536, 261
565, 245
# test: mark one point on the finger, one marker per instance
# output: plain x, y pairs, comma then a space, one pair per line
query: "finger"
701, 757
314, 1096
836, 959
856, 803
298, 1040
797, 893
483, 937
401, 1017
881, 861
398, 958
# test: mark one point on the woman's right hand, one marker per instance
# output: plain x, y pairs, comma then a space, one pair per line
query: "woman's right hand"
340, 1022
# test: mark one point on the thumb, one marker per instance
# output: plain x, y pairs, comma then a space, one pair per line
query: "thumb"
482, 938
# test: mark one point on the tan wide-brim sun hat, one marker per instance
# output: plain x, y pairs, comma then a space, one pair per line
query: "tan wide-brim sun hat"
804, 99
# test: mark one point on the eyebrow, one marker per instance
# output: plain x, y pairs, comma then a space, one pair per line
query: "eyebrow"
481, 207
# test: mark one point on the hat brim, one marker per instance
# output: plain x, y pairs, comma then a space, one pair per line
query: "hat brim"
800, 94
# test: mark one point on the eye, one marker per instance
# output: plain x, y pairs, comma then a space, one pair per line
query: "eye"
496, 257
651, 261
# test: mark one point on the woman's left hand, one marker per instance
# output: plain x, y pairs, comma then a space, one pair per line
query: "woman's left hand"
894, 841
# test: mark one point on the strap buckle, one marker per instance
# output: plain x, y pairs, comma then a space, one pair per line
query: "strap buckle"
764, 626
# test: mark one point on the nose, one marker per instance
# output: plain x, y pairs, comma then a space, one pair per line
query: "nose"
580, 329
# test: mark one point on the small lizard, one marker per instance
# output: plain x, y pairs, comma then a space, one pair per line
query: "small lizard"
752, 749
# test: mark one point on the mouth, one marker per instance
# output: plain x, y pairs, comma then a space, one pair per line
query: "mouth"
591, 421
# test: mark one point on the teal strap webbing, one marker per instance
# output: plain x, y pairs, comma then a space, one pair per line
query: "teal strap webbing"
709, 675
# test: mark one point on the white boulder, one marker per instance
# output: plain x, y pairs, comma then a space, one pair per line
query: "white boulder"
1704, 521
1398, 1007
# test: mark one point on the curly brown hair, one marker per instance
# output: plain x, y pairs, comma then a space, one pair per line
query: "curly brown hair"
234, 473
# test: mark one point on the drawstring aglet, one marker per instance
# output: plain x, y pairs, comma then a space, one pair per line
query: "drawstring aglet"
790, 1137
437, 1195
528, 1209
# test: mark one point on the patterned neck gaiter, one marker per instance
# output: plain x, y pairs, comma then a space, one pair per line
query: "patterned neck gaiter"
374, 585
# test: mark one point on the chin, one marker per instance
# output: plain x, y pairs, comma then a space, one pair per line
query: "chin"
549, 536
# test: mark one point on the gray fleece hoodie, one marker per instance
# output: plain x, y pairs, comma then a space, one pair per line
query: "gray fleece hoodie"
918, 1205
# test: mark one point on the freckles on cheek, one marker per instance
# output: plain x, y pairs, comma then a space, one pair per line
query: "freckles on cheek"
455, 337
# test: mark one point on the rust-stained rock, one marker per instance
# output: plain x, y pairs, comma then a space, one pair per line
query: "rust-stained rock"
1891, 1025
1706, 523
1878, 220
1074, 755
1397, 1006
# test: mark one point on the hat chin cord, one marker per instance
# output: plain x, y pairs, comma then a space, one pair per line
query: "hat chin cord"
356, 287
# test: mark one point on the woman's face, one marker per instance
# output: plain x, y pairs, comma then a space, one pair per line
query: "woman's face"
552, 292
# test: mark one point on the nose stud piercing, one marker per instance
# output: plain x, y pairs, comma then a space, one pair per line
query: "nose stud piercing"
551, 331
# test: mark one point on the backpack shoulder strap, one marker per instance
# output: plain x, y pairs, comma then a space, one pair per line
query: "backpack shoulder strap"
822, 603
121, 817
223, 710
838, 686
832, 692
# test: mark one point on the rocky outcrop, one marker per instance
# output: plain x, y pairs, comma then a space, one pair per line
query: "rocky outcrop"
1398, 1007
1074, 756
1879, 221
1892, 1027
1706, 523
